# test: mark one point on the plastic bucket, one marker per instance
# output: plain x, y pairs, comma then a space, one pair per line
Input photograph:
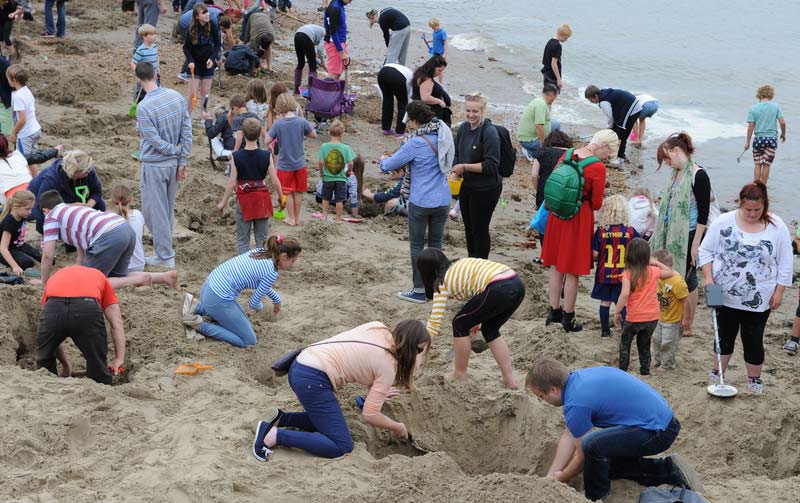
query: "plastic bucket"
455, 185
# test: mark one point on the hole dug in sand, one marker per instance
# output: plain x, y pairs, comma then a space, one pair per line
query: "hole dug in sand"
19, 307
506, 433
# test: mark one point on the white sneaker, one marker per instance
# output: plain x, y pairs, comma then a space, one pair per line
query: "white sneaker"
791, 347
156, 261
713, 377
755, 386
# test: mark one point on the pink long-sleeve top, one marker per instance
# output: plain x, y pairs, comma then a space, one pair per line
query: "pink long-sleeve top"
353, 362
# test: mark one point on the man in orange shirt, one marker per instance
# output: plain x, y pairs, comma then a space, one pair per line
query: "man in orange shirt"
75, 300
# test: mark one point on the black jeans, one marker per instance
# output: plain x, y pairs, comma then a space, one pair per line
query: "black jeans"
82, 320
732, 321
305, 50
643, 331
393, 87
624, 134
490, 309
421, 222
477, 208
617, 453
25, 256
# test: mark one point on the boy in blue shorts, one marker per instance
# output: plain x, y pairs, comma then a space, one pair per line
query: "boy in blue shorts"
762, 119
633, 421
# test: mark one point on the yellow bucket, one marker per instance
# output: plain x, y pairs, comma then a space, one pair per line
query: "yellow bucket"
454, 181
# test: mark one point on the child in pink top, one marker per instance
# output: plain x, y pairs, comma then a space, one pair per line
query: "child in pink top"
640, 296
369, 354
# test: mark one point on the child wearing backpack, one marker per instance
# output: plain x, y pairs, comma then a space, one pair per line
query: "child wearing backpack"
643, 212
609, 244
640, 297
334, 159
572, 200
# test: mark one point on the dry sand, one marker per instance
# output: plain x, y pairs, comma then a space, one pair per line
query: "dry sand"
160, 437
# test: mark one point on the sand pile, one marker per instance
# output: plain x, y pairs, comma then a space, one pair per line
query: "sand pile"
161, 437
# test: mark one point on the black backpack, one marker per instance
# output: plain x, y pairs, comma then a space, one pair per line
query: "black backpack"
508, 154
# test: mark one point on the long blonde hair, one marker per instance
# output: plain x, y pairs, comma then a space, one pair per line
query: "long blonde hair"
19, 199
614, 211
121, 197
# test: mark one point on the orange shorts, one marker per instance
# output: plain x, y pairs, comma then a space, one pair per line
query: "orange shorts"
293, 181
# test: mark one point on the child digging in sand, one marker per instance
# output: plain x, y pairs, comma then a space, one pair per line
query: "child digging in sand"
672, 295
494, 291
334, 159
14, 251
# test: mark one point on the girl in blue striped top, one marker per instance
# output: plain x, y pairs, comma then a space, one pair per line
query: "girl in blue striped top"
255, 270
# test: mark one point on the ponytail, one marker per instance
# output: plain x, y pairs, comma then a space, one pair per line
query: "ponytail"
681, 140
274, 246
121, 196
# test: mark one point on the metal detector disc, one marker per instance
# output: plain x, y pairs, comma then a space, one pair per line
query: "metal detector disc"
722, 390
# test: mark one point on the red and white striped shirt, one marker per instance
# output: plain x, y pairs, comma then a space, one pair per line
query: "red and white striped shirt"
78, 226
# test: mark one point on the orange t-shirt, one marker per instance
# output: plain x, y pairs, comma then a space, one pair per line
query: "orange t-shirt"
78, 281
643, 303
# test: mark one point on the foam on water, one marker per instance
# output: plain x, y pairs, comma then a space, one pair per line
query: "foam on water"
472, 42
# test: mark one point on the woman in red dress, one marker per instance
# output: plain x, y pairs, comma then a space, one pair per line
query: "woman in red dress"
567, 246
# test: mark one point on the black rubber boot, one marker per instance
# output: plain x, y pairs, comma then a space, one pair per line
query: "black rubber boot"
569, 323
554, 316
298, 77
606, 333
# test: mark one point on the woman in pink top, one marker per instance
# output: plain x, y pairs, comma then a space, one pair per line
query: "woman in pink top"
369, 354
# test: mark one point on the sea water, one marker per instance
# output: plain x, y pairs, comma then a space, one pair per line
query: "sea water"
702, 59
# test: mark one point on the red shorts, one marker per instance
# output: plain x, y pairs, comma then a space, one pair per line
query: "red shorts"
293, 181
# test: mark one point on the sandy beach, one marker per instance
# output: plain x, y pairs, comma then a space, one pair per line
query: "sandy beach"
158, 436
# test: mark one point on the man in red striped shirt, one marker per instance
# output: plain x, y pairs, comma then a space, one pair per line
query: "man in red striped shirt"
104, 241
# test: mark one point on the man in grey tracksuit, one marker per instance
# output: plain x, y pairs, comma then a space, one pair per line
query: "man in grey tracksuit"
166, 129
148, 13
396, 30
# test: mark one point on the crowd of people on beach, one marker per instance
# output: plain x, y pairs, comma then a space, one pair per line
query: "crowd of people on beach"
645, 255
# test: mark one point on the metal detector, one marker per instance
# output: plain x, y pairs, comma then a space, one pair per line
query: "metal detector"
714, 301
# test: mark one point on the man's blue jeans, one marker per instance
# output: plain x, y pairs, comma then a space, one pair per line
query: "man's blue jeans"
617, 453
323, 429
61, 28
232, 325
532, 146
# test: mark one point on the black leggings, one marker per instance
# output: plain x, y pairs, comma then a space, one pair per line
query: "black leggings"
25, 256
732, 321
305, 50
490, 309
624, 134
477, 208
643, 332
393, 87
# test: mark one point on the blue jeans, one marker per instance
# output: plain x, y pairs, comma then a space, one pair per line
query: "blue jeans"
61, 10
649, 109
617, 453
232, 325
322, 428
532, 146
421, 220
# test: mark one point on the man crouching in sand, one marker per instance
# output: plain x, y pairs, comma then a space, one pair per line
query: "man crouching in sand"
634, 421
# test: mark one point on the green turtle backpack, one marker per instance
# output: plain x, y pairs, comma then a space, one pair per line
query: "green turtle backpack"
563, 190
334, 161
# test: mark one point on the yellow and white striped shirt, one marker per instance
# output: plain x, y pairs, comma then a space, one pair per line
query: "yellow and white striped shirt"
464, 279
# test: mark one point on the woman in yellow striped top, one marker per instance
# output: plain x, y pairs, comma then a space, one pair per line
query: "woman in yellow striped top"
494, 291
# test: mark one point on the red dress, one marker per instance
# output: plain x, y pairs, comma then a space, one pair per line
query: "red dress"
568, 243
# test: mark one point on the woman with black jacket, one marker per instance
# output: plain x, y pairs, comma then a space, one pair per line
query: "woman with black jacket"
430, 92
477, 160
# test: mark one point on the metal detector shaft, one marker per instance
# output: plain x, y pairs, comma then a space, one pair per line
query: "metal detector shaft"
717, 346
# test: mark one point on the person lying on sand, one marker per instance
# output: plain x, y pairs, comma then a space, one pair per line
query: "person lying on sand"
634, 421
369, 354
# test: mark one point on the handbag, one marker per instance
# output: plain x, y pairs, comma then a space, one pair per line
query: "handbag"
282, 364
254, 200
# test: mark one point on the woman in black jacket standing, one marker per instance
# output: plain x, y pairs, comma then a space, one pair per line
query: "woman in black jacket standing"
477, 159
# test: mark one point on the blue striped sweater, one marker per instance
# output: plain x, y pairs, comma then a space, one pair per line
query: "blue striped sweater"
244, 272
166, 128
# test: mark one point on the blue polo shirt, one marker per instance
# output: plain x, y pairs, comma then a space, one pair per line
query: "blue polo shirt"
603, 397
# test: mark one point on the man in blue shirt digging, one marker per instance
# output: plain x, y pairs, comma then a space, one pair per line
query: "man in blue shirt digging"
634, 421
